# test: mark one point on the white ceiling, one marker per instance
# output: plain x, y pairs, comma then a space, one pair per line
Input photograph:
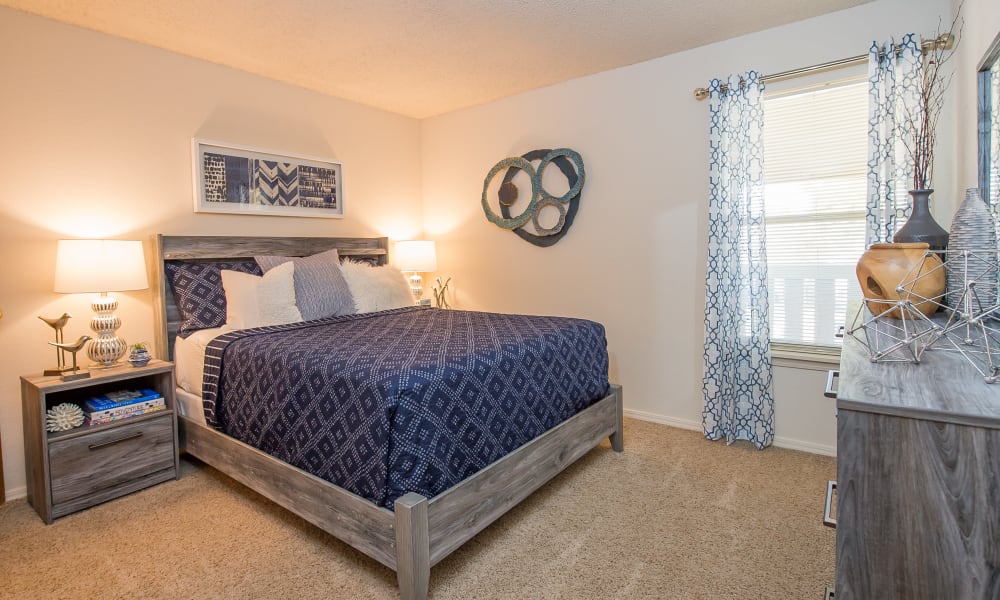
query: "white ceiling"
422, 58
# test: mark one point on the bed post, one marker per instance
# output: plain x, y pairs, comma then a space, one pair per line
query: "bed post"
413, 553
617, 437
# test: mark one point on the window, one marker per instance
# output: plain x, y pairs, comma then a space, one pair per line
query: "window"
815, 189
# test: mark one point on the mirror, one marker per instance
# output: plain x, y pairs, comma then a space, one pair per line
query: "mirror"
989, 124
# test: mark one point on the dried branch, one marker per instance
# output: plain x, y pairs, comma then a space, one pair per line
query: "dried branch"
921, 121
440, 290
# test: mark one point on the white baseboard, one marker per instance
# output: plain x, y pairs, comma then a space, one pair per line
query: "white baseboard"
16, 493
780, 442
662, 419
803, 446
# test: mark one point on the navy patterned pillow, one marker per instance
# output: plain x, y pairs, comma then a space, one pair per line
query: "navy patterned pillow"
198, 292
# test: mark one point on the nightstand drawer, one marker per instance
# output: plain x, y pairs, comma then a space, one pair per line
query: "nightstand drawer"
104, 459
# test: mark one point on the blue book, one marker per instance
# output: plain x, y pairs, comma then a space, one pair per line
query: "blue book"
118, 399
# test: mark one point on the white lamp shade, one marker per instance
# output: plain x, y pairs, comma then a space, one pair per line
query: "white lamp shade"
418, 256
100, 266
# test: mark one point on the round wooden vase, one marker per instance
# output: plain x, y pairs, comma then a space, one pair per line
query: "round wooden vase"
894, 272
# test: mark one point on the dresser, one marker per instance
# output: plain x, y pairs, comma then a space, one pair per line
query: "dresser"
918, 479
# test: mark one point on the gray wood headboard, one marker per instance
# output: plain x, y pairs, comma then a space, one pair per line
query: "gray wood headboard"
216, 248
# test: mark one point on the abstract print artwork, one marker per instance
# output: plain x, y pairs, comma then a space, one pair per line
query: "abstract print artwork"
564, 207
244, 180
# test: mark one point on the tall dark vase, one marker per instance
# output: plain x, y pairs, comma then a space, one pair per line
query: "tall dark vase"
921, 226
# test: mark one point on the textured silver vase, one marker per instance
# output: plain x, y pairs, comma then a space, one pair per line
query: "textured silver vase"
972, 246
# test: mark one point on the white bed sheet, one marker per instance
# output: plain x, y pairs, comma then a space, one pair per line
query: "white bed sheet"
189, 368
190, 406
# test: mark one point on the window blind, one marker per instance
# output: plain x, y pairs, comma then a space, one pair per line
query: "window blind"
815, 186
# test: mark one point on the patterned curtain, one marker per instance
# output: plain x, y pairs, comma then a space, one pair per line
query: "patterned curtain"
894, 73
739, 402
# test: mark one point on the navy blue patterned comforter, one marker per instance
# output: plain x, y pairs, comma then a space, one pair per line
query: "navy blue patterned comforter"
412, 399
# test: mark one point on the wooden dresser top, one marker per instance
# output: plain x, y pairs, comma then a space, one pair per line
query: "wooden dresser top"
943, 387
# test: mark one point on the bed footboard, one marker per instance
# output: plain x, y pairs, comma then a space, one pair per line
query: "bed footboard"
427, 531
348, 517
421, 532
465, 509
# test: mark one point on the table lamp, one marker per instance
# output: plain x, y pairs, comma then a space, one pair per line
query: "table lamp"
416, 257
101, 266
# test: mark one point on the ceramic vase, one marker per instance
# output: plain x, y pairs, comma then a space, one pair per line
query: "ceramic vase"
972, 246
921, 226
906, 271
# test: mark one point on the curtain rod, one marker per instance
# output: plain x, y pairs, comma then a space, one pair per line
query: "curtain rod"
945, 41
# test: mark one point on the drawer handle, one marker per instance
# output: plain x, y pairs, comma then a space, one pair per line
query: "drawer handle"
829, 392
828, 519
112, 442
829, 594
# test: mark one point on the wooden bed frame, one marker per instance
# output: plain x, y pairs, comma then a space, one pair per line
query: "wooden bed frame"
421, 531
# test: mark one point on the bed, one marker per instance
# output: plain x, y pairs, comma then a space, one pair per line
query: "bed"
406, 531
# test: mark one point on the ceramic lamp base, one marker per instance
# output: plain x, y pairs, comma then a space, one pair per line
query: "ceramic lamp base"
107, 347
416, 285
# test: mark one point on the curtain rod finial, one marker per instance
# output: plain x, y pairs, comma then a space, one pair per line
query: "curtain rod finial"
700, 93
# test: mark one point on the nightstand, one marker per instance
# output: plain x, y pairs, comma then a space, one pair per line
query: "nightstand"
71, 470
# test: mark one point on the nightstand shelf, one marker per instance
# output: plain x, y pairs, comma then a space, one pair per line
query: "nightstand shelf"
71, 470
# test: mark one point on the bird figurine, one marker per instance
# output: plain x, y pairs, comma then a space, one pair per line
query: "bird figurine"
58, 323
73, 348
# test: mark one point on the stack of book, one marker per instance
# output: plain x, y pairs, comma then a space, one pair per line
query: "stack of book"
115, 406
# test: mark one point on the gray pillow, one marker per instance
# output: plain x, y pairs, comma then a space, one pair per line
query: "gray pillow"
320, 288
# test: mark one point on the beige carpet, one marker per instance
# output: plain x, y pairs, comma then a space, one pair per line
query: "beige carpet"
675, 516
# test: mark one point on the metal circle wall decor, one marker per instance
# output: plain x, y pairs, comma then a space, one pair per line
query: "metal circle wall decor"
570, 164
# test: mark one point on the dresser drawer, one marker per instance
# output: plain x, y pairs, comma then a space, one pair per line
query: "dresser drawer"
110, 457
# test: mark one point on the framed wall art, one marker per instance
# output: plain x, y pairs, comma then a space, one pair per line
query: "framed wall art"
251, 181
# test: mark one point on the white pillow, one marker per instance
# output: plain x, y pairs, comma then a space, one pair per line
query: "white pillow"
376, 288
253, 301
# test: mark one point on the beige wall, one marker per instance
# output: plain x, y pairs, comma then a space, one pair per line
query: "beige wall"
982, 25
95, 140
635, 257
